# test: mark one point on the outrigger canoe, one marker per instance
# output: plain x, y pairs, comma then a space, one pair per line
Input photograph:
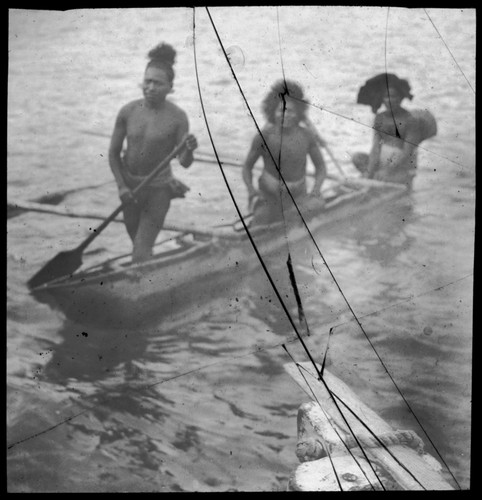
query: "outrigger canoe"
194, 266
346, 446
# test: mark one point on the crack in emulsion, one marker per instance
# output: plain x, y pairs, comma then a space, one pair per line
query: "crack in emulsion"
448, 50
397, 133
321, 107
294, 285
203, 367
45, 431
248, 233
348, 303
320, 378
304, 223
408, 299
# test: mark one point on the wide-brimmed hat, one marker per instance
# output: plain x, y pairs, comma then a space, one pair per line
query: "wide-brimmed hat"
374, 89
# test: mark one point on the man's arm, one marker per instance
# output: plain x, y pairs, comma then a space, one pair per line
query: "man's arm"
409, 144
320, 168
186, 156
248, 165
374, 156
115, 148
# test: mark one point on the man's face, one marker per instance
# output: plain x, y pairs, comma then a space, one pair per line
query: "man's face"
156, 85
286, 114
392, 98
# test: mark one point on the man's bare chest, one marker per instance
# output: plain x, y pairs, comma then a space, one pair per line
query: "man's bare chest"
147, 127
289, 144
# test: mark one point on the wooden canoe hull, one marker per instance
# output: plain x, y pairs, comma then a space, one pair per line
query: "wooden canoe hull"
146, 292
118, 293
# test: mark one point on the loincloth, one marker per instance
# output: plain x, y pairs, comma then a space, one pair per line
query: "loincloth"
274, 186
164, 180
274, 203
401, 173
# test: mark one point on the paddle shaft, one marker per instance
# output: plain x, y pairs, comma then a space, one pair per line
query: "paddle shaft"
208, 157
323, 144
197, 158
320, 141
31, 206
144, 183
68, 262
38, 206
309, 174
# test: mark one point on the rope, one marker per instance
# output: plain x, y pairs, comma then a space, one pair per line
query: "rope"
403, 438
312, 449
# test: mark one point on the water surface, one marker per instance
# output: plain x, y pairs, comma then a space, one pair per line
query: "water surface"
200, 401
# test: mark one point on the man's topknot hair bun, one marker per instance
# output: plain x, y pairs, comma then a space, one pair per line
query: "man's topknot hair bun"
162, 56
162, 53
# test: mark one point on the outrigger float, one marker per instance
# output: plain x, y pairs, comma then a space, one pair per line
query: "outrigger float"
195, 265
343, 445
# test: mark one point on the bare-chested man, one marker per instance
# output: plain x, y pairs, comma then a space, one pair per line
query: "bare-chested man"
393, 156
153, 126
284, 147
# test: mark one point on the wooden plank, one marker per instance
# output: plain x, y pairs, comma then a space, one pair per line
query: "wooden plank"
336, 441
307, 378
411, 470
418, 472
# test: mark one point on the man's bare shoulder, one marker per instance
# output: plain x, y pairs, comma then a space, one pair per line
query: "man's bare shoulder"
130, 107
175, 110
265, 134
268, 128
307, 132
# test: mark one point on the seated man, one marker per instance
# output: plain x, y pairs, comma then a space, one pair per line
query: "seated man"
397, 131
284, 145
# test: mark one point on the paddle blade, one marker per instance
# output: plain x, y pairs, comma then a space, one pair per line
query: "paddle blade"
13, 210
62, 264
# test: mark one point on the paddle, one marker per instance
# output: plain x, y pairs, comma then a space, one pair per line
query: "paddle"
31, 206
323, 144
67, 262
14, 209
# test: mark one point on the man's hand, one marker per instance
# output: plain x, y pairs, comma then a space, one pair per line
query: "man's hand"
252, 197
125, 195
314, 201
186, 156
191, 143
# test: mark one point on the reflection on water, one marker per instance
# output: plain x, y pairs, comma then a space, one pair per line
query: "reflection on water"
128, 393
384, 237
89, 354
